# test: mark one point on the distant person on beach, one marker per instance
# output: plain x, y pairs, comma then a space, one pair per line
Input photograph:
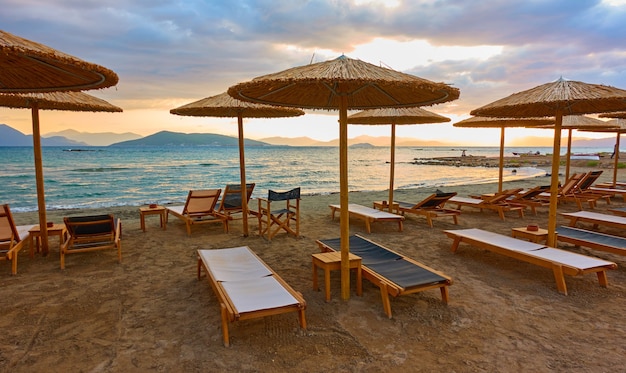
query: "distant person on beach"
463, 153
614, 151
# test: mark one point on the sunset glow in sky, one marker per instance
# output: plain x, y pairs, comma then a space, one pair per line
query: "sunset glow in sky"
170, 53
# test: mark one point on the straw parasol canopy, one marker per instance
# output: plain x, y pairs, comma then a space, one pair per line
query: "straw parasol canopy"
224, 105
394, 116
71, 101
618, 127
558, 98
27, 66
502, 123
342, 84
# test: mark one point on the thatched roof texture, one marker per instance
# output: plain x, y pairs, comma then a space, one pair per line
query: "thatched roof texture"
414, 115
70, 101
495, 122
27, 66
320, 86
224, 105
567, 96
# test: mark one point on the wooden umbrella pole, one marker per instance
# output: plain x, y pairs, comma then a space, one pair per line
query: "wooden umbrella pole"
344, 222
242, 171
41, 200
616, 160
554, 181
569, 153
392, 165
501, 171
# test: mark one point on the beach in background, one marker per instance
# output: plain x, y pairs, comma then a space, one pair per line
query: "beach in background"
151, 313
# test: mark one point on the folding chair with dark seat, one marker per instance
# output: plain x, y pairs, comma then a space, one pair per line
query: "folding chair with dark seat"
91, 233
271, 221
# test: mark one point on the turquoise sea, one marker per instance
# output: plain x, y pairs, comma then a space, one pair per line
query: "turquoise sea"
119, 176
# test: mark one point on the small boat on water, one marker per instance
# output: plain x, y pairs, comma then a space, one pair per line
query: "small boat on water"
527, 154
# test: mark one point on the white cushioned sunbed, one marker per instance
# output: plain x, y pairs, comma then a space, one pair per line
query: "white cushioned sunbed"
369, 215
561, 262
246, 287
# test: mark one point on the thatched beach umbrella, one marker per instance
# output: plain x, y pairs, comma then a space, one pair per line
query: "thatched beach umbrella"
223, 105
558, 98
502, 123
578, 122
71, 101
618, 127
342, 84
394, 116
27, 66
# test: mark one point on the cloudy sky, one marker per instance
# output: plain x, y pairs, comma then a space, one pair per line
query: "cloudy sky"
168, 53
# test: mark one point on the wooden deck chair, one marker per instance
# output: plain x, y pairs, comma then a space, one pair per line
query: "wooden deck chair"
12, 237
246, 287
561, 262
393, 273
199, 209
497, 202
583, 190
530, 197
230, 203
566, 192
92, 233
431, 207
273, 219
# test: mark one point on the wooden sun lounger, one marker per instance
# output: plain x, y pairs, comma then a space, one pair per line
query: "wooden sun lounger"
246, 287
595, 218
592, 239
561, 262
394, 273
609, 191
369, 215
497, 202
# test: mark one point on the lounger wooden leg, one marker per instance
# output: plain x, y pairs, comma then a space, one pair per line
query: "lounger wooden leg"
602, 279
429, 219
559, 277
302, 318
199, 268
501, 213
385, 297
455, 219
455, 244
14, 264
445, 296
327, 284
225, 325
368, 228
400, 226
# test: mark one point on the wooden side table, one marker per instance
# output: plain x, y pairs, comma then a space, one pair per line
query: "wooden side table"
34, 236
147, 210
331, 261
384, 206
535, 236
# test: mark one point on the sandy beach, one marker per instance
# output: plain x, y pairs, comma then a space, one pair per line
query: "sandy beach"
151, 313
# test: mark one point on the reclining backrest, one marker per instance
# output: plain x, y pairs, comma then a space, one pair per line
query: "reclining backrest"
436, 200
8, 231
90, 226
201, 202
588, 180
231, 199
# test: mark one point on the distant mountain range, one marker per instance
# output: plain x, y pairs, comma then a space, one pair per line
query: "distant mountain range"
188, 139
95, 139
71, 138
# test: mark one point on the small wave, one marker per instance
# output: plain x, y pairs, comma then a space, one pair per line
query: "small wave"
101, 169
